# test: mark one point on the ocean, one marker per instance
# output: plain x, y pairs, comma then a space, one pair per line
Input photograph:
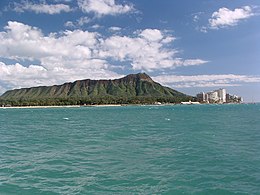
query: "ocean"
181, 149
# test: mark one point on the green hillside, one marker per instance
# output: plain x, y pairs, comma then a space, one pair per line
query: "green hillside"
134, 88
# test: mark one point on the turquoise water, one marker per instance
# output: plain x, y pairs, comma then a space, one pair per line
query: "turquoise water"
200, 149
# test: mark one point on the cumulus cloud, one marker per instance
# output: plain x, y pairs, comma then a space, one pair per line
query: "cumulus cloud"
104, 7
147, 51
206, 80
22, 75
225, 17
21, 41
19, 76
41, 8
142, 53
151, 34
64, 57
78, 54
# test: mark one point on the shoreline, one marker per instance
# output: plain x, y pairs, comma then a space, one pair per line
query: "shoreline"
11, 107
69, 106
108, 105
82, 106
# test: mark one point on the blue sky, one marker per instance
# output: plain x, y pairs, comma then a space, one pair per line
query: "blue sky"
191, 47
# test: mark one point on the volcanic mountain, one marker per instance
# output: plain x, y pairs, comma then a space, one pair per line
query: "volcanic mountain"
133, 88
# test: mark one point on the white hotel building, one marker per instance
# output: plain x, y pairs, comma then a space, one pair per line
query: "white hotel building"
217, 96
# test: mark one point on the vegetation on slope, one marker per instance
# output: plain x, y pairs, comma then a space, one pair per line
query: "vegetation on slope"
132, 89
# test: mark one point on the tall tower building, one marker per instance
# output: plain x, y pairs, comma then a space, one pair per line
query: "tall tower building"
222, 95
213, 97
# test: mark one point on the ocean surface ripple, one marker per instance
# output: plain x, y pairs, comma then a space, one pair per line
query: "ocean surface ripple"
199, 149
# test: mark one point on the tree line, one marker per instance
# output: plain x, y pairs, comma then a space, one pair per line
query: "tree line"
91, 101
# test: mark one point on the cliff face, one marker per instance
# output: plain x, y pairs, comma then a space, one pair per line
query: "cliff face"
130, 86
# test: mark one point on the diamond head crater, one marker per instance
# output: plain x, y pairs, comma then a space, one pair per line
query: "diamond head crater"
131, 89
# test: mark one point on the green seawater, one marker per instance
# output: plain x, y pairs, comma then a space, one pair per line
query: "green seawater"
198, 149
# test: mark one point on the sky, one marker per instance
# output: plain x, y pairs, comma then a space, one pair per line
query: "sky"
191, 47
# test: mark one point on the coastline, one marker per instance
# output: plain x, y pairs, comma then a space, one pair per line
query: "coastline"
69, 106
109, 105
80, 106
17, 107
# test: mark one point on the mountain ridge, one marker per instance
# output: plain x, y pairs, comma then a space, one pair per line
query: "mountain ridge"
133, 88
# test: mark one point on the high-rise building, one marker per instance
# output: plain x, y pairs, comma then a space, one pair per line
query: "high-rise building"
218, 96
213, 97
222, 95
233, 98
202, 97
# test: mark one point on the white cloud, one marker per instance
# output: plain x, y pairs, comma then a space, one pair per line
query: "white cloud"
17, 71
96, 26
196, 18
25, 42
66, 1
114, 28
203, 29
41, 8
151, 34
83, 20
79, 23
225, 17
18, 76
80, 47
192, 62
69, 24
206, 80
104, 7
146, 51
142, 53
78, 54
63, 57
